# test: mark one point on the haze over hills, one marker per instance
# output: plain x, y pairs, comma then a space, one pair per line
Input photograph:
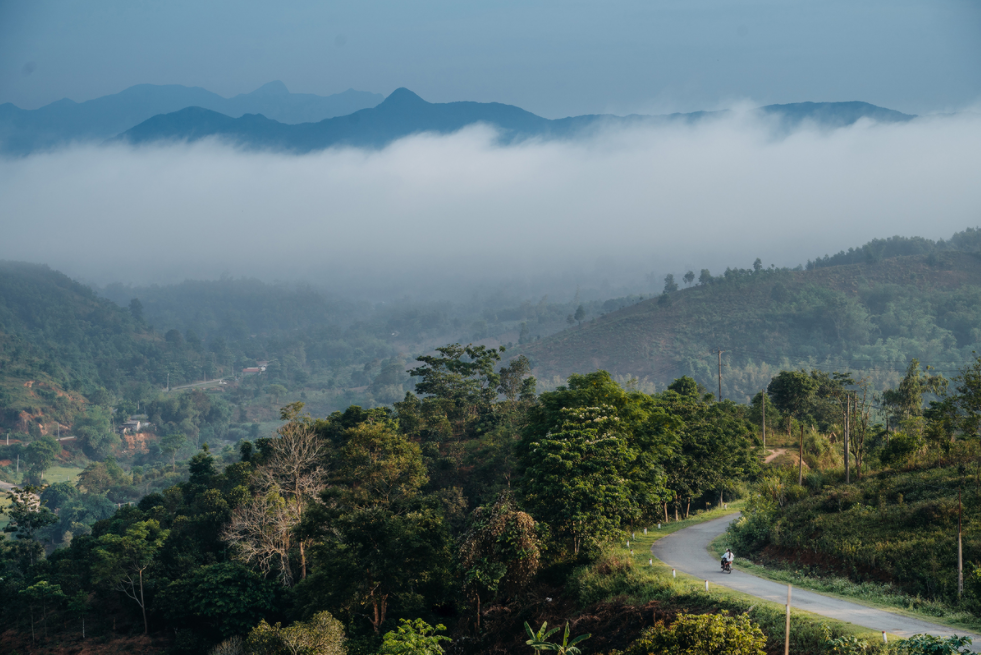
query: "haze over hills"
869, 310
25, 130
404, 113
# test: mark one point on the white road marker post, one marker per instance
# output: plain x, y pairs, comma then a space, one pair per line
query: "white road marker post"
786, 639
645, 530
674, 574
658, 526
706, 585
650, 562
633, 535
885, 639
628, 543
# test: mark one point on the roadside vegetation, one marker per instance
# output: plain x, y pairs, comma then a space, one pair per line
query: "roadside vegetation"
889, 535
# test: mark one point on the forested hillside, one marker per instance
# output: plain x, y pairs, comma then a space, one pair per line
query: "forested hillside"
870, 310
62, 344
462, 505
471, 497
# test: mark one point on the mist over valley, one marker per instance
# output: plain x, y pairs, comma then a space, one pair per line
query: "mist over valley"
457, 329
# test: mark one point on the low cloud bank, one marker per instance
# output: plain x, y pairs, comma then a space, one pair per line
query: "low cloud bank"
430, 214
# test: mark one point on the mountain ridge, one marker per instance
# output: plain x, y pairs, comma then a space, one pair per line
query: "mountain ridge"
404, 113
65, 121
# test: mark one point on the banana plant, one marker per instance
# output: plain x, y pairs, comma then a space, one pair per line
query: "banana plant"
539, 640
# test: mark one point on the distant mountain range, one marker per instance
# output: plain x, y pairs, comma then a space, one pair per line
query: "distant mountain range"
26, 130
273, 118
404, 113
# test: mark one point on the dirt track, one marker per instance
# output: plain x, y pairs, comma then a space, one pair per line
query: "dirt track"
775, 453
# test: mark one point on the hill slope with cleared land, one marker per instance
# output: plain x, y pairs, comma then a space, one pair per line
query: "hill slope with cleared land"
869, 317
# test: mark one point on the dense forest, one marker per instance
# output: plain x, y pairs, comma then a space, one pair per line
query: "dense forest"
443, 522
457, 500
234, 466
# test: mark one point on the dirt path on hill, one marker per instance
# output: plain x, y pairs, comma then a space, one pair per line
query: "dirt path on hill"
687, 551
775, 453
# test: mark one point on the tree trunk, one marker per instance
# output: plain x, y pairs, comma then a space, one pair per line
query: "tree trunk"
665, 511
380, 606
303, 562
688, 508
146, 626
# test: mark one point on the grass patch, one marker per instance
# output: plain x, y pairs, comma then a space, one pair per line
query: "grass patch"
638, 577
872, 594
62, 474
4, 503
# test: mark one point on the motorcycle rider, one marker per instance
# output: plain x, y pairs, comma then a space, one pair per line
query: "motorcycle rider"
727, 558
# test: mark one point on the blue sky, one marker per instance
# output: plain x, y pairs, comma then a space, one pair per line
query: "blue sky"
553, 58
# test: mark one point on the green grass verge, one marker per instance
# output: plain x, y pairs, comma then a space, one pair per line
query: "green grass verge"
4, 503
871, 594
62, 474
638, 577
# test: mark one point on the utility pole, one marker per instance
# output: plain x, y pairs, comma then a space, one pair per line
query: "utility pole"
960, 549
786, 635
848, 417
720, 375
800, 458
764, 418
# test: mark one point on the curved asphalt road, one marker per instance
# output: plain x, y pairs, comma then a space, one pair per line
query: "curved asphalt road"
687, 551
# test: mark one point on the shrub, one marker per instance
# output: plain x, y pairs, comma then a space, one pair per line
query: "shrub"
321, 635
413, 638
845, 644
706, 634
933, 645
901, 448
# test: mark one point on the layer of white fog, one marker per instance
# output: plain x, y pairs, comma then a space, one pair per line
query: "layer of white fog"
435, 216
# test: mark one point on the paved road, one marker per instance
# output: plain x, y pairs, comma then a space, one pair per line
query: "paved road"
687, 551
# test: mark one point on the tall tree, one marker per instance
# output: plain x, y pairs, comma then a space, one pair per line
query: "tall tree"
500, 553
28, 516
906, 400
265, 529
39, 455
121, 561
575, 476
791, 392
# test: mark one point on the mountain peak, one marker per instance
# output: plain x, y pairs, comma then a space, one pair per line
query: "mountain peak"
275, 88
402, 97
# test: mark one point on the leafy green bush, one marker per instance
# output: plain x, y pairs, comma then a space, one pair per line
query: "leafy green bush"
846, 644
321, 635
933, 645
413, 638
901, 447
706, 634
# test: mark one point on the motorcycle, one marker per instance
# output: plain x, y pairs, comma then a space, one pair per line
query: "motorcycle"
726, 566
